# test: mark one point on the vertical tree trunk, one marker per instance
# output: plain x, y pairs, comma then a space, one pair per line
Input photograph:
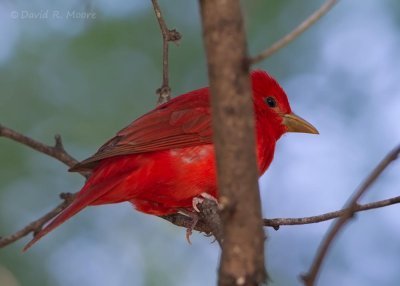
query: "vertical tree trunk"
242, 260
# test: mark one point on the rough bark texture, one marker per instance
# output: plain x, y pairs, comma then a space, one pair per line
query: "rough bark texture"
242, 260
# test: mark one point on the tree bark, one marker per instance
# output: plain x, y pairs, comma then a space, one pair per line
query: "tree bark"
242, 259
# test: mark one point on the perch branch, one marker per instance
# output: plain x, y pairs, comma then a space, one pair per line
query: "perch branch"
59, 153
209, 214
164, 92
350, 207
209, 222
314, 17
277, 222
186, 222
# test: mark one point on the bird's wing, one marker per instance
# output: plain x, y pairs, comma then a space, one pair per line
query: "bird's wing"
184, 121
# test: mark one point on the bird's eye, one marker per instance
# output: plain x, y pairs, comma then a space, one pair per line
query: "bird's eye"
270, 101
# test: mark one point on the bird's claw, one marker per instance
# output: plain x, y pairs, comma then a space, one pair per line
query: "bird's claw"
188, 234
195, 202
200, 199
193, 215
189, 230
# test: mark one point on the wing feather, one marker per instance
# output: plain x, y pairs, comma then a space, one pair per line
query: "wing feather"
182, 122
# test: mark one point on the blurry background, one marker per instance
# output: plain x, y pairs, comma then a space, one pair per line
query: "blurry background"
87, 78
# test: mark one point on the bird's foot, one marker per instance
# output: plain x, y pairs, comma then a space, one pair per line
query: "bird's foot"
189, 230
195, 218
194, 215
200, 199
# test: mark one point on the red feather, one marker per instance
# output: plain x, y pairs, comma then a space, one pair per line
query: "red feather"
165, 158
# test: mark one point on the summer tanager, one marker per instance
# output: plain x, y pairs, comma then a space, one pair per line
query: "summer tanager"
164, 161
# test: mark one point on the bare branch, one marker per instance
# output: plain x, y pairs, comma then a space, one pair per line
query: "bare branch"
211, 224
277, 222
164, 92
57, 151
295, 33
38, 224
186, 222
350, 207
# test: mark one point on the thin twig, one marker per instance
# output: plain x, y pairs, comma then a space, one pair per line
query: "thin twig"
38, 224
164, 92
57, 151
277, 222
350, 207
314, 17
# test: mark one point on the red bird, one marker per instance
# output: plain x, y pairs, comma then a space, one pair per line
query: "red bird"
164, 161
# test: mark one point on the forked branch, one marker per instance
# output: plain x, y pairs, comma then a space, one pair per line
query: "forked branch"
277, 222
57, 151
35, 226
164, 92
349, 209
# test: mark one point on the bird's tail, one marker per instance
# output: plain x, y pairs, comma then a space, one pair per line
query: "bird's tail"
89, 193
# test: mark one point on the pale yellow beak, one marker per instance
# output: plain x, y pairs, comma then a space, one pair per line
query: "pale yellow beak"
295, 123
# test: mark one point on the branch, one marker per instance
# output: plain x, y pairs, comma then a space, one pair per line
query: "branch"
277, 222
164, 92
242, 259
204, 226
350, 207
209, 222
186, 222
295, 33
209, 214
57, 151
38, 224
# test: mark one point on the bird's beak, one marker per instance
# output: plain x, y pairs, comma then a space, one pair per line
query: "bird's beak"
295, 123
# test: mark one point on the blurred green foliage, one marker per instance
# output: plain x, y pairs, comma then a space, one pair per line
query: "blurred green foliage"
86, 79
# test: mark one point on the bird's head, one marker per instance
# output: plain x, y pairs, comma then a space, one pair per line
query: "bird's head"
272, 104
